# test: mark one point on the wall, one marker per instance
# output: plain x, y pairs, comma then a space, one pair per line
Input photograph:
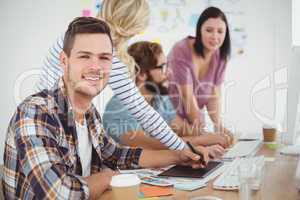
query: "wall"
30, 27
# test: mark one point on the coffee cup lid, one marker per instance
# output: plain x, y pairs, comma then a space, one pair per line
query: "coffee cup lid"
122, 180
269, 126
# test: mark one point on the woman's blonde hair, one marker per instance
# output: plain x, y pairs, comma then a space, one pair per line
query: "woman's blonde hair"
126, 18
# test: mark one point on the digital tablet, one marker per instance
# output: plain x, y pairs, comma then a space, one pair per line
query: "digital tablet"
189, 172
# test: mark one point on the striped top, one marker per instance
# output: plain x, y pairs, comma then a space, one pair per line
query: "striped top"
125, 89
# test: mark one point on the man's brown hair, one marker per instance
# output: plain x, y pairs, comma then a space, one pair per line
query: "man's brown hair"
145, 54
81, 25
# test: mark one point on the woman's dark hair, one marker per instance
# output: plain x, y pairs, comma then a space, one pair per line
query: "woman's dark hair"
212, 12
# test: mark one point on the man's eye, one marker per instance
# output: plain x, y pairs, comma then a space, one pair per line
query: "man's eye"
84, 56
104, 58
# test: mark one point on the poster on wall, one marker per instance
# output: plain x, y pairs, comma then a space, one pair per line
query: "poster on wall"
172, 20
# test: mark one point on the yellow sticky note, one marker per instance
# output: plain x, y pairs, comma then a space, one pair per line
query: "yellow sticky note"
150, 198
85, 3
141, 33
272, 146
156, 40
164, 15
269, 159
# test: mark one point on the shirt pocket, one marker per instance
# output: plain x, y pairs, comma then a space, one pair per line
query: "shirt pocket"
68, 154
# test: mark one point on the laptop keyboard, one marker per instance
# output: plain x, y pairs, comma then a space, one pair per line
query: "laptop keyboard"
242, 149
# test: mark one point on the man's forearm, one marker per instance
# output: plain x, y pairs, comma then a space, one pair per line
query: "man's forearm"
162, 158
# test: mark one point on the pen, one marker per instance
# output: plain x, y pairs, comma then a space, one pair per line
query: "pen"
196, 152
116, 168
248, 139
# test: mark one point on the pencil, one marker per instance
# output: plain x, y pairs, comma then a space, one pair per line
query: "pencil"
196, 152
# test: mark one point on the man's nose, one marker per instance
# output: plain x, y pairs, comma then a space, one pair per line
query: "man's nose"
95, 63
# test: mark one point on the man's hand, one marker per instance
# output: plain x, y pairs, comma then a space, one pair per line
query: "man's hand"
99, 182
187, 157
109, 173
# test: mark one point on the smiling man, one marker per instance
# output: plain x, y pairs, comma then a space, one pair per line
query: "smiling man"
56, 147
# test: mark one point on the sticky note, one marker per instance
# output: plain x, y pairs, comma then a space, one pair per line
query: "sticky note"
85, 3
269, 159
156, 40
86, 13
272, 146
155, 191
190, 186
98, 6
164, 15
149, 198
193, 20
141, 33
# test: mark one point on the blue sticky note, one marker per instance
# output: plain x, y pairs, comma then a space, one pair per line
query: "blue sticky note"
190, 186
193, 20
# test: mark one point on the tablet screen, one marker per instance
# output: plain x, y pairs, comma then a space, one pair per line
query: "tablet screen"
189, 172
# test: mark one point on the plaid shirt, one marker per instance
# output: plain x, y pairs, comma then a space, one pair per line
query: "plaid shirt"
41, 159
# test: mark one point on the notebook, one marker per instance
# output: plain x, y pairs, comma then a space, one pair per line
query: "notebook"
155, 191
189, 172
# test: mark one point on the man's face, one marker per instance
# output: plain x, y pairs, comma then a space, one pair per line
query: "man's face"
157, 78
88, 66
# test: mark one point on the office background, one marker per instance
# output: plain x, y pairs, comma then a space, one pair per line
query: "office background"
255, 88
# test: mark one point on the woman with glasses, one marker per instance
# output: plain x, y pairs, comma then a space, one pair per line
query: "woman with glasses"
196, 71
126, 19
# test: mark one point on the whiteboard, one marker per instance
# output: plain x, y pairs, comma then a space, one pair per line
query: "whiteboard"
260, 28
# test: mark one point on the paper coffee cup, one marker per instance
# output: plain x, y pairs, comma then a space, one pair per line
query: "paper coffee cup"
125, 186
269, 133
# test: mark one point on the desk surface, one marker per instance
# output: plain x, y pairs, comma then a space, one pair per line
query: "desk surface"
279, 182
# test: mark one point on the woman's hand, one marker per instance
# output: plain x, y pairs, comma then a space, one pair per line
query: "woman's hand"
229, 136
225, 133
215, 151
187, 157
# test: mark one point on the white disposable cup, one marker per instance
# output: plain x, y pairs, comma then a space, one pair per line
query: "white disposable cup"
125, 186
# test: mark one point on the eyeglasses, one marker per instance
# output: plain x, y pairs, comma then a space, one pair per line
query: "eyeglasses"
163, 67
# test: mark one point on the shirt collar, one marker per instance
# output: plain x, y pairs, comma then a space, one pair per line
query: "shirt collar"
93, 119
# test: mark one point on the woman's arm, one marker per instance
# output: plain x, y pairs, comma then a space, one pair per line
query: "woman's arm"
189, 133
163, 158
213, 108
51, 70
125, 89
191, 107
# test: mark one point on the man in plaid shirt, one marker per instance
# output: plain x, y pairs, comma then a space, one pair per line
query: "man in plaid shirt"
56, 147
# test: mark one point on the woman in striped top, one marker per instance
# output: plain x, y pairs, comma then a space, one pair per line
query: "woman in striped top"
124, 25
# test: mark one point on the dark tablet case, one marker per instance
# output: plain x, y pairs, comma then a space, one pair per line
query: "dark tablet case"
189, 172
